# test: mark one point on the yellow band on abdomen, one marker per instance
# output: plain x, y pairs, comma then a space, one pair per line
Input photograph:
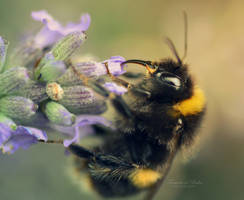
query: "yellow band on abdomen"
142, 178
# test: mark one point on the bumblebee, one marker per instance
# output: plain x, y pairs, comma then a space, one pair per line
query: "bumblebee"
155, 120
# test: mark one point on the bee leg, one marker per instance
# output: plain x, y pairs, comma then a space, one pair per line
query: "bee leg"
81, 151
141, 92
101, 160
116, 176
109, 175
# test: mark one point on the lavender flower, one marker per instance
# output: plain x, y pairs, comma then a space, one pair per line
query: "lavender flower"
53, 30
114, 65
22, 137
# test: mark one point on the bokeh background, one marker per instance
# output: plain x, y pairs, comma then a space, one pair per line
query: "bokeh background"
134, 29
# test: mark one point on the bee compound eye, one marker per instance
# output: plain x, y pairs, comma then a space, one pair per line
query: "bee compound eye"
169, 79
173, 81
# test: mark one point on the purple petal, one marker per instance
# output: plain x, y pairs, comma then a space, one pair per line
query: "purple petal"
46, 19
5, 133
46, 37
53, 30
39, 134
84, 120
113, 87
84, 24
75, 139
114, 65
23, 137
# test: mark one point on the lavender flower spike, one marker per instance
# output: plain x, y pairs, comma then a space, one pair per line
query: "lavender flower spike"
53, 30
22, 137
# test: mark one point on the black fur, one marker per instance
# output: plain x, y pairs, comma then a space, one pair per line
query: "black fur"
145, 133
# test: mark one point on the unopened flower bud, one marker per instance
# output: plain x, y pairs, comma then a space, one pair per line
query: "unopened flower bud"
58, 114
16, 107
32, 90
68, 45
13, 79
80, 99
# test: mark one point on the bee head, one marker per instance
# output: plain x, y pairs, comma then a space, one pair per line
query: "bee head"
168, 81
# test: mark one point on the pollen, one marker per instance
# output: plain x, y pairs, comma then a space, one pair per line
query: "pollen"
54, 91
195, 104
142, 178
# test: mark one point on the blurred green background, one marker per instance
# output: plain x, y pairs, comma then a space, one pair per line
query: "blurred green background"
134, 29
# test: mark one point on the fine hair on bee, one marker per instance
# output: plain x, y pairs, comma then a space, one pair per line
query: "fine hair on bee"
155, 119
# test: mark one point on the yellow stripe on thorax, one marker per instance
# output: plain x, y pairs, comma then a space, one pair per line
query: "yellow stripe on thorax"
144, 177
193, 105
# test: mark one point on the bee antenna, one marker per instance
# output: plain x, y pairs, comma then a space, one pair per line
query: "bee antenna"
173, 49
186, 34
172, 46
